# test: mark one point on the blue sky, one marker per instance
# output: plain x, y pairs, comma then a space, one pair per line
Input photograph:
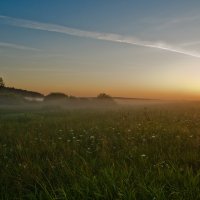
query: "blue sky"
125, 48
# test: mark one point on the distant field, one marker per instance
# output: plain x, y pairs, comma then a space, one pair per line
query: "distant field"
145, 152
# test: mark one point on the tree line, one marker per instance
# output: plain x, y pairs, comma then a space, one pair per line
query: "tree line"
53, 96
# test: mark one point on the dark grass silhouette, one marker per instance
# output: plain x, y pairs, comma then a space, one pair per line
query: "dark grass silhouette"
129, 153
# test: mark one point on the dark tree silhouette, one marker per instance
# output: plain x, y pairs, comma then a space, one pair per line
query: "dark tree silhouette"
104, 96
55, 96
2, 84
25, 93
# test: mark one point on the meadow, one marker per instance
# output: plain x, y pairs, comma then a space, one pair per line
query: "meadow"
131, 153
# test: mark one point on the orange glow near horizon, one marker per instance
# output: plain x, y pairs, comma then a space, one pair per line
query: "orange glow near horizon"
85, 88
166, 94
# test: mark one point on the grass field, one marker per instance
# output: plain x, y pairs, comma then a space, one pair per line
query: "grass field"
125, 153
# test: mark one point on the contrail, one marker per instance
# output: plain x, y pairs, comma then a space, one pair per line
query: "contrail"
95, 35
16, 46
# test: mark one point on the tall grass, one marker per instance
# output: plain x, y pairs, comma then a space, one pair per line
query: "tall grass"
151, 153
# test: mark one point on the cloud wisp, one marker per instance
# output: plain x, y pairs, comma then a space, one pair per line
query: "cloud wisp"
178, 21
194, 43
16, 46
95, 35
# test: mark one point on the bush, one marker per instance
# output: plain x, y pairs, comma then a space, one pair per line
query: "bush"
55, 96
104, 96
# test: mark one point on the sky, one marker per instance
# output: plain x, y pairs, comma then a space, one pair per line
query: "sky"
146, 49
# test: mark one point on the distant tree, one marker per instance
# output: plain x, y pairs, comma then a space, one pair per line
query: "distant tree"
105, 99
104, 96
55, 96
2, 84
72, 97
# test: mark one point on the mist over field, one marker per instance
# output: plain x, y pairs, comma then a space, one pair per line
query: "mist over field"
145, 151
58, 146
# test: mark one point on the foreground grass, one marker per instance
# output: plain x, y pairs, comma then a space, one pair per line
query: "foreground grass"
151, 153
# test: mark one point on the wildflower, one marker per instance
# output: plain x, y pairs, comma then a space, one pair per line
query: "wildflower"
167, 165
153, 136
143, 155
60, 138
92, 137
89, 150
25, 166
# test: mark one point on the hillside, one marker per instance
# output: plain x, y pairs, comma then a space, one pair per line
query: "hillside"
21, 92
